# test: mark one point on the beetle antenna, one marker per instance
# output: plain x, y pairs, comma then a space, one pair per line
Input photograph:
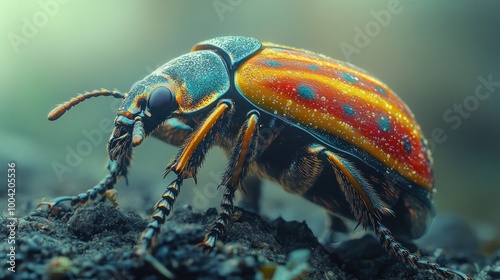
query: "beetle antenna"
58, 111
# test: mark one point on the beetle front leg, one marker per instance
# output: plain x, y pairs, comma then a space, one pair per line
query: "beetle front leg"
191, 156
185, 165
117, 169
243, 154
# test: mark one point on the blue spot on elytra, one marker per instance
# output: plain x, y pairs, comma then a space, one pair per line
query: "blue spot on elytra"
348, 110
350, 78
381, 90
273, 63
384, 124
306, 92
407, 145
313, 67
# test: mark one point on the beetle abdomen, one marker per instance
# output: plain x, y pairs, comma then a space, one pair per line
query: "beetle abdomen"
320, 185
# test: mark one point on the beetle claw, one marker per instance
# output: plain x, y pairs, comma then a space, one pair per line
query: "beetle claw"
111, 196
205, 246
52, 208
49, 204
168, 169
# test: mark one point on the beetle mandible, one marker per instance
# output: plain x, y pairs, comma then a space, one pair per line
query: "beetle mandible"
333, 134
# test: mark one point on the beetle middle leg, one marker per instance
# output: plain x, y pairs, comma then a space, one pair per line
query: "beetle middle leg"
243, 154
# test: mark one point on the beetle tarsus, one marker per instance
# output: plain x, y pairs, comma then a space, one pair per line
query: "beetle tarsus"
104, 189
54, 202
404, 255
161, 210
219, 225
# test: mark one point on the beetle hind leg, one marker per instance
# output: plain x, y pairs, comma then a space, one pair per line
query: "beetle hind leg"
366, 205
369, 209
243, 154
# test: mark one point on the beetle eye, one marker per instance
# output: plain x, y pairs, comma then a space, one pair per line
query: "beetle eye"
161, 102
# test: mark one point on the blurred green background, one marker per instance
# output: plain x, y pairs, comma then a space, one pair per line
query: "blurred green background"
431, 53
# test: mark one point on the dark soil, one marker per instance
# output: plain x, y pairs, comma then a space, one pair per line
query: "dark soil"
97, 242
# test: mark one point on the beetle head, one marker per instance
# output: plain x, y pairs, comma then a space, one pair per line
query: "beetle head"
146, 106
150, 102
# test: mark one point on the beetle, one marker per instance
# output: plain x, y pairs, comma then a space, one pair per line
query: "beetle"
321, 128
